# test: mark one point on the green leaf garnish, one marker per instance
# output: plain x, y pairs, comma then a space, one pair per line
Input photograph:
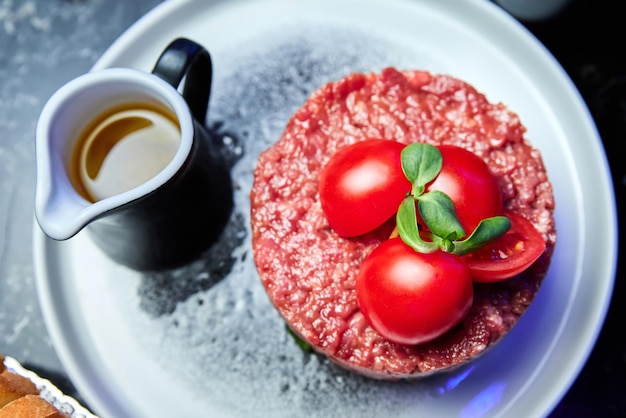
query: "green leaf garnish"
488, 230
421, 163
406, 221
439, 214
304, 345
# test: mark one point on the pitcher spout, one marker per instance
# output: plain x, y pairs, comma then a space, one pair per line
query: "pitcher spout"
61, 213
60, 210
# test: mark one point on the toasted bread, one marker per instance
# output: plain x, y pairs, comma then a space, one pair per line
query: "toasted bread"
30, 406
20, 397
14, 386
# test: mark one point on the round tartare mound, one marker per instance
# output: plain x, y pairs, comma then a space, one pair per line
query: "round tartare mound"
309, 271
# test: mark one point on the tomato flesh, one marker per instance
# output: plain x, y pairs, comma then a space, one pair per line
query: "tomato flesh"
410, 297
467, 180
362, 186
508, 256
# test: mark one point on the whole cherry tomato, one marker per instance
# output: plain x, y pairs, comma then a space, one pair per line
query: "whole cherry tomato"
362, 186
510, 254
410, 297
467, 180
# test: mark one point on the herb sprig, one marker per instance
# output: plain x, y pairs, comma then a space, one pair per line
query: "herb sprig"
421, 163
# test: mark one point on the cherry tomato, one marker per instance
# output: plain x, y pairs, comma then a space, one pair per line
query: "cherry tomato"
410, 297
508, 256
467, 180
362, 186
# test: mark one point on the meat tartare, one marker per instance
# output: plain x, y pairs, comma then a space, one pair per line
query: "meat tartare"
309, 271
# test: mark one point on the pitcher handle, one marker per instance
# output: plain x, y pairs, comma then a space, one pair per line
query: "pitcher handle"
185, 58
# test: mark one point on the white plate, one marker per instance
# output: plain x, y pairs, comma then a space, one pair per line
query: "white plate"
139, 348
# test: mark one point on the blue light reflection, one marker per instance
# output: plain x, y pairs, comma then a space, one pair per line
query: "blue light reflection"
484, 401
455, 380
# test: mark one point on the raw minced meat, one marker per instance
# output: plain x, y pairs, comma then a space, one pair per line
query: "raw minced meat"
309, 271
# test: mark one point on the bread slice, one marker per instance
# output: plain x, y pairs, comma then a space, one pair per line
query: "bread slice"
30, 406
14, 386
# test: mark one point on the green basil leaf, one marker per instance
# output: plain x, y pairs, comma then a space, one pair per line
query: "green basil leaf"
488, 230
421, 163
406, 221
439, 214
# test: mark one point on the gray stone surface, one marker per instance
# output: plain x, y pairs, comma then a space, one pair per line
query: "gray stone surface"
43, 44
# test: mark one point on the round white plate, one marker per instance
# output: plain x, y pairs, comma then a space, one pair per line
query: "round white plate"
187, 344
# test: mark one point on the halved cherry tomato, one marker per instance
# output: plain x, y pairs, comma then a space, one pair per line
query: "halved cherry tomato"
467, 180
508, 256
362, 186
411, 297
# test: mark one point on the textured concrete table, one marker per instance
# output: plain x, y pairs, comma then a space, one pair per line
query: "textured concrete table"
45, 43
